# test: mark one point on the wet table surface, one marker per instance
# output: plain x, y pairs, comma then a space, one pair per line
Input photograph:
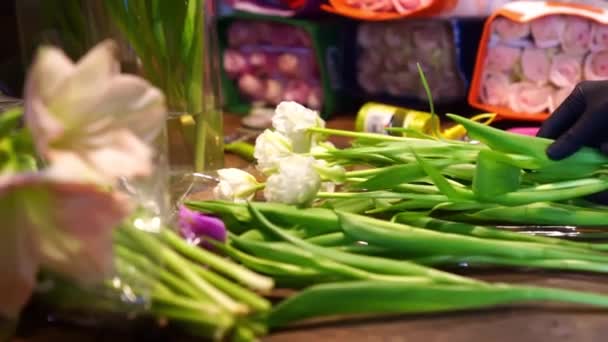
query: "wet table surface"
519, 323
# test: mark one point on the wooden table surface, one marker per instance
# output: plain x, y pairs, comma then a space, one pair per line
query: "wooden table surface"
520, 323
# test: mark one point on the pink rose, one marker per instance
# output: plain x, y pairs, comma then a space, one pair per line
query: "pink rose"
315, 98
234, 62
429, 37
547, 31
370, 82
596, 66
599, 37
274, 91
240, 33
529, 98
576, 37
502, 58
251, 86
558, 96
297, 90
566, 70
535, 65
494, 88
509, 30
369, 35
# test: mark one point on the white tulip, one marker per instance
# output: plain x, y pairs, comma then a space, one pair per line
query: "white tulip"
90, 113
293, 120
235, 185
270, 148
297, 181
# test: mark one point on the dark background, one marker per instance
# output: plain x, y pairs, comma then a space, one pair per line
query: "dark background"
11, 70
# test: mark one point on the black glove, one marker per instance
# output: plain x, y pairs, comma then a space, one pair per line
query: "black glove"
581, 120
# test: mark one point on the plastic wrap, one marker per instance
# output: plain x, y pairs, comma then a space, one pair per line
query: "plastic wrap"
266, 61
388, 53
533, 54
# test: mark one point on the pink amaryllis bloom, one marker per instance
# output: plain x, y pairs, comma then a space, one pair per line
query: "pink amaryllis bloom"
547, 31
502, 58
494, 88
599, 37
576, 37
529, 98
596, 66
566, 70
509, 30
90, 113
535, 65
61, 225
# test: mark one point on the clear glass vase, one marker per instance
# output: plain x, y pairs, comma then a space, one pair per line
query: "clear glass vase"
173, 44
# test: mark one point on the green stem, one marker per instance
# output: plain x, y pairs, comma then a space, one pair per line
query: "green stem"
180, 266
235, 271
351, 134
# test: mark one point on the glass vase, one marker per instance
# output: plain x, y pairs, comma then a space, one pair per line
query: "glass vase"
173, 44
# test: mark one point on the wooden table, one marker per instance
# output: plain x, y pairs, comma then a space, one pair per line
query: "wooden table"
519, 323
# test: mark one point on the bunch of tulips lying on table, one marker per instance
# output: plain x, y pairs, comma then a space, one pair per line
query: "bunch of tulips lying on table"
360, 230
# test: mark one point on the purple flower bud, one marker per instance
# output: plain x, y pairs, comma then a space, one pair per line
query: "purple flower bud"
197, 227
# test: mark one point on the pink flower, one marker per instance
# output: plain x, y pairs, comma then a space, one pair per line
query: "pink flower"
369, 35
566, 70
241, 33
429, 37
509, 30
529, 98
63, 226
535, 65
88, 113
251, 86
297, 90
599, 37
576, 37
274, 91
558, 96
494, 88
547, 31
502, 58
315, 98
235, 63
370, 82
596, 66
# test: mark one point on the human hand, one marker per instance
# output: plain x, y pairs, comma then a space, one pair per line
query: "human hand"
581, 120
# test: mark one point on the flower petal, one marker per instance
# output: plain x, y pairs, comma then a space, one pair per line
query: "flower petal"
83, 217
116, 154
92, 71
50, 69
47, 222
18, 259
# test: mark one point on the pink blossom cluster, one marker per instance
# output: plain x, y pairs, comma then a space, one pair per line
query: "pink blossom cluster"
389, 53
273, 62
532, 67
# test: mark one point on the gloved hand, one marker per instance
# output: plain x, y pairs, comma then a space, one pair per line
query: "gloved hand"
581, 120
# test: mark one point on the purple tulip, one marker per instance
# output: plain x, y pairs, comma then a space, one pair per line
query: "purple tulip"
197, 227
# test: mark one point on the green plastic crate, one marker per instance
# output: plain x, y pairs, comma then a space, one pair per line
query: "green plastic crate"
327, 42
